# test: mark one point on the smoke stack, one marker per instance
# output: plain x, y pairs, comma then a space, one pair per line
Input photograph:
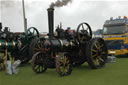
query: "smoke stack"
0, 26
51, 21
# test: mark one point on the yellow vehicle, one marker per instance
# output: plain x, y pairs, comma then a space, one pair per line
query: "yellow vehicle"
115, 34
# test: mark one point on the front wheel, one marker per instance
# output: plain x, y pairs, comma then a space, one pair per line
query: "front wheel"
37, 63
96, 53
63, 65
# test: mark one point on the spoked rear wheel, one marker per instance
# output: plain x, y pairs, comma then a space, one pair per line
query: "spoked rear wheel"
34, 46
37, 63
96, 53
2, 66
63, 65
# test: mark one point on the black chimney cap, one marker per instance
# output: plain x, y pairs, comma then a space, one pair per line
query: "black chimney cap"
50, 9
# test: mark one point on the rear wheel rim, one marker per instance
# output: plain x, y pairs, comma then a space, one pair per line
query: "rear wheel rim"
98, 51
63, 66
37, 62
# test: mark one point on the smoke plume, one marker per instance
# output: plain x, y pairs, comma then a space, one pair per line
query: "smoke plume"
59, 3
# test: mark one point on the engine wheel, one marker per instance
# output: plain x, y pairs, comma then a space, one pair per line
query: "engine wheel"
2, 66
37, 63
96, 53
31, 33
63, 65
84, 32
36, 46
32, 47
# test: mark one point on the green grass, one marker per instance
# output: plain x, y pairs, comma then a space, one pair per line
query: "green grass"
113, 74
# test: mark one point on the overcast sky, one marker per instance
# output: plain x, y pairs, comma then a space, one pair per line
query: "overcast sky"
92, 12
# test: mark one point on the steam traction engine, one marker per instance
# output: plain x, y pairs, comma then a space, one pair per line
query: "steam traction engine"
67, 48
16, 45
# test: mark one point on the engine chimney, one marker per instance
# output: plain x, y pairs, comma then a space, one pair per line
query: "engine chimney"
0, 26
51, 21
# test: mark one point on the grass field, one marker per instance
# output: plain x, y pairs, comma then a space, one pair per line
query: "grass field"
113, 74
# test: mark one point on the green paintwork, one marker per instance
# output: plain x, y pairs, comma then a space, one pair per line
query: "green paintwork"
30, 34
8, 45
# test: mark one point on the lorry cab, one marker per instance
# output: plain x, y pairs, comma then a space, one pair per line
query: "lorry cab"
115, 34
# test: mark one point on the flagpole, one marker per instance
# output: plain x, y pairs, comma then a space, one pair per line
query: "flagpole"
24, 17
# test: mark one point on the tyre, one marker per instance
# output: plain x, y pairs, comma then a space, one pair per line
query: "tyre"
32, 46
96, 53
37, 63
63, 65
